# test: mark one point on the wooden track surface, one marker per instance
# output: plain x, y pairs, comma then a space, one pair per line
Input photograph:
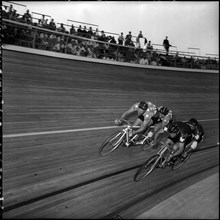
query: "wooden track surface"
54, 175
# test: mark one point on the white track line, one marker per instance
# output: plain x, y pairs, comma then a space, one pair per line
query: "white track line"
70, 130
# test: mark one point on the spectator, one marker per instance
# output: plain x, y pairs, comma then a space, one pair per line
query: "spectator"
39, 24
143, 61
84, 32
149, 46
27, 17
4, 12
140, 35
13, 15
166, 45
61, 28
128, 40
102, 37
52, 25
121, 39
79, 31
43, 21
96, 34
112, 41
90, 32
72, 30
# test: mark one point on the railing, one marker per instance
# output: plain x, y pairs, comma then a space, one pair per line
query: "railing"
22, 34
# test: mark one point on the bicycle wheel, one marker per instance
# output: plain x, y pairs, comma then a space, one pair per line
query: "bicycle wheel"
146, 168
112, 143
180, 161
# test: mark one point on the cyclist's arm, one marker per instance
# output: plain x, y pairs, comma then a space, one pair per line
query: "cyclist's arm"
132, 109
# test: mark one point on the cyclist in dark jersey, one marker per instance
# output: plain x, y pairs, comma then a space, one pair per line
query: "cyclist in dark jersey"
184, 137
180, 135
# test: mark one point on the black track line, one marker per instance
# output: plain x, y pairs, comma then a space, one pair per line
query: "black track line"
111, 215
27, 202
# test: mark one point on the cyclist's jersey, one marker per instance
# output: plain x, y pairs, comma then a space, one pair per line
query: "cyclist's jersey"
185, 132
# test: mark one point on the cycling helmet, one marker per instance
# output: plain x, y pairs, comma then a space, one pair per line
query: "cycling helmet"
143, 105
173, 128
163, 110
193, 122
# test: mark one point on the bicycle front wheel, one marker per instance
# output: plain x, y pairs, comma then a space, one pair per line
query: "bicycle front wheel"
112, 143
147, 168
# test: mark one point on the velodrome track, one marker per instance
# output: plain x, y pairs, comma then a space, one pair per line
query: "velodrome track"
56, 114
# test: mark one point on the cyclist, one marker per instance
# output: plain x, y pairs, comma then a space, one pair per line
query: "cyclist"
198, 135
180, 135
163, 117
148, 115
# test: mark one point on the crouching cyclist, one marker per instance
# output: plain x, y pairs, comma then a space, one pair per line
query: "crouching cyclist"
183, 135
148, 115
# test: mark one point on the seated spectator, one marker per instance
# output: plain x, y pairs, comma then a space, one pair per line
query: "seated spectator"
121, 39
90, 32
61, 28
51, 41
72, 30
27, 17
143, 61
153, 62
52, 25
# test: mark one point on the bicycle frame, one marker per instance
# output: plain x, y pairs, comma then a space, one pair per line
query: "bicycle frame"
126, 132
161, 152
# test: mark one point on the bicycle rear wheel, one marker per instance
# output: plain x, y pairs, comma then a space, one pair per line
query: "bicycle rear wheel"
112, 143
180, 161
146, 168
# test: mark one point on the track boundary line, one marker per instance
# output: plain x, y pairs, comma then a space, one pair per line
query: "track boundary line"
117, 212
71, 130
36, 199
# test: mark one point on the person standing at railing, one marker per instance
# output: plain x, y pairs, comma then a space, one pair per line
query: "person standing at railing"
27, 17
166, 45
90, 33
72, 30
121, 39
52, 25
84, 32
61, 28
138, 43
128, 40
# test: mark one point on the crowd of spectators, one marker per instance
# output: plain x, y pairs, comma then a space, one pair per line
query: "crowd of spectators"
83, 41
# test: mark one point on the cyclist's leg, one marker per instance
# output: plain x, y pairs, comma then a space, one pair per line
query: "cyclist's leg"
158, 129
177, 149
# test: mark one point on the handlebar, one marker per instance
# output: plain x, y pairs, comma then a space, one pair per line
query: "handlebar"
128, 123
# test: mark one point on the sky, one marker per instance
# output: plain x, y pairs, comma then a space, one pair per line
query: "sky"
188, 24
